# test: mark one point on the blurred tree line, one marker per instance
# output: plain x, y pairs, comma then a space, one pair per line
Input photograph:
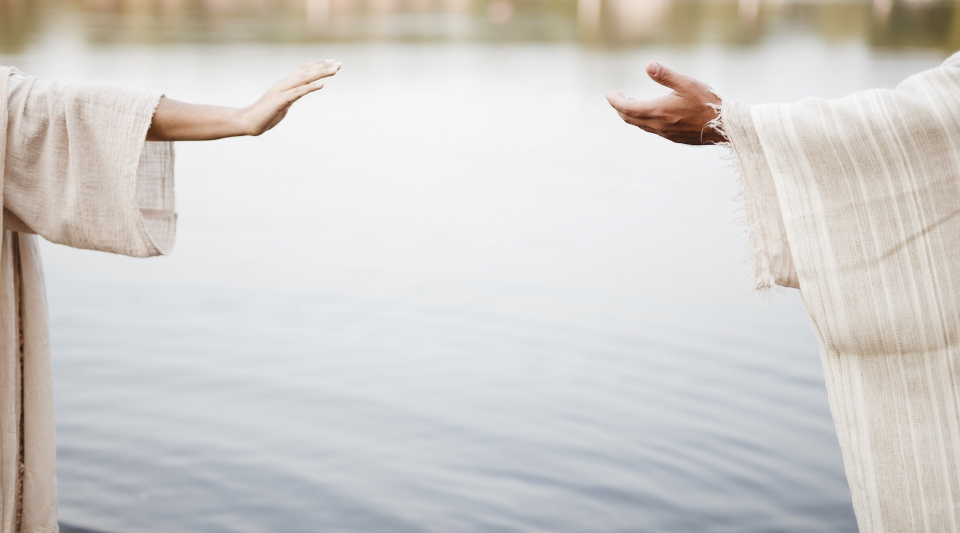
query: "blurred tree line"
601, 23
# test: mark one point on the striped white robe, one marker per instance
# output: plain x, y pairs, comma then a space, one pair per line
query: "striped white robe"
856, 202
75, 169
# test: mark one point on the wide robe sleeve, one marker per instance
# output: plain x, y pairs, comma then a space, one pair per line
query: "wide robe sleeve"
856, 202
76, 170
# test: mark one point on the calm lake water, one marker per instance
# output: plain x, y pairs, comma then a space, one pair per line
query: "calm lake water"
452, 292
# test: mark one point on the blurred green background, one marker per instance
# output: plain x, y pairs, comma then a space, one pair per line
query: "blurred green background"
601, 23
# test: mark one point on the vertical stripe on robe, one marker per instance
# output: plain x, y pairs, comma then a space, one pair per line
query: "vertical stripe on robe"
860, 198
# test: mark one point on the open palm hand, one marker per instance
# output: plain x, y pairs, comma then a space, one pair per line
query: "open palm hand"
270, 109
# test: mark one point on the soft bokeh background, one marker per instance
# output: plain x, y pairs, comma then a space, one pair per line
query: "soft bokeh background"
452, 292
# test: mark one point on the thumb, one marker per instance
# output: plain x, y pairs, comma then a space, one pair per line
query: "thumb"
666, 77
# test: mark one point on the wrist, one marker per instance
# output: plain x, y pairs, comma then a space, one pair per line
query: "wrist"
240, 122
713, 129
712, 132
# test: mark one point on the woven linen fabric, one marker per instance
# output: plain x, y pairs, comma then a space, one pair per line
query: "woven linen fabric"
856, 202
76, 170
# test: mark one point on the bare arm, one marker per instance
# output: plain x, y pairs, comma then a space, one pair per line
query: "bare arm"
683, 116
179, 121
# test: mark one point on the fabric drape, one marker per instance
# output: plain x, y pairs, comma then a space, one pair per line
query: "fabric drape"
856, 202
76, 171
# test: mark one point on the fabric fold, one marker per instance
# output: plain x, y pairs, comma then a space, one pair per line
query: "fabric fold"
76, 170
79, 172
768, 249
863, 195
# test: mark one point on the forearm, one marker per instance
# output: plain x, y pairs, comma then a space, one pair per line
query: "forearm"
180, 121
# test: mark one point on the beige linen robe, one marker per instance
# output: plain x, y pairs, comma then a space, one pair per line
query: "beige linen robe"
856, 202
75, 170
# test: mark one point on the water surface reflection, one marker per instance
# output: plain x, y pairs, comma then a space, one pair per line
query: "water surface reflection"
452, 293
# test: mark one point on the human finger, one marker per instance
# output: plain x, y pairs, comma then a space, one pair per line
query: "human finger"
645, 125
669, 78
637, 108
307, 72
614, 98
299, 92
310, 76
318, 73
314, 64
630, 120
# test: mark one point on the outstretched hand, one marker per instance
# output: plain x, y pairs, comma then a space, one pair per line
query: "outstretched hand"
684, 116
179, 121
270, 109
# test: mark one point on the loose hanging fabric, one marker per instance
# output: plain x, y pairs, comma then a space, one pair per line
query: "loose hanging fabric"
75, 169
856, 202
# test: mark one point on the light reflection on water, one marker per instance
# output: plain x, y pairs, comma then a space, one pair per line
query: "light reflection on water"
452, 293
